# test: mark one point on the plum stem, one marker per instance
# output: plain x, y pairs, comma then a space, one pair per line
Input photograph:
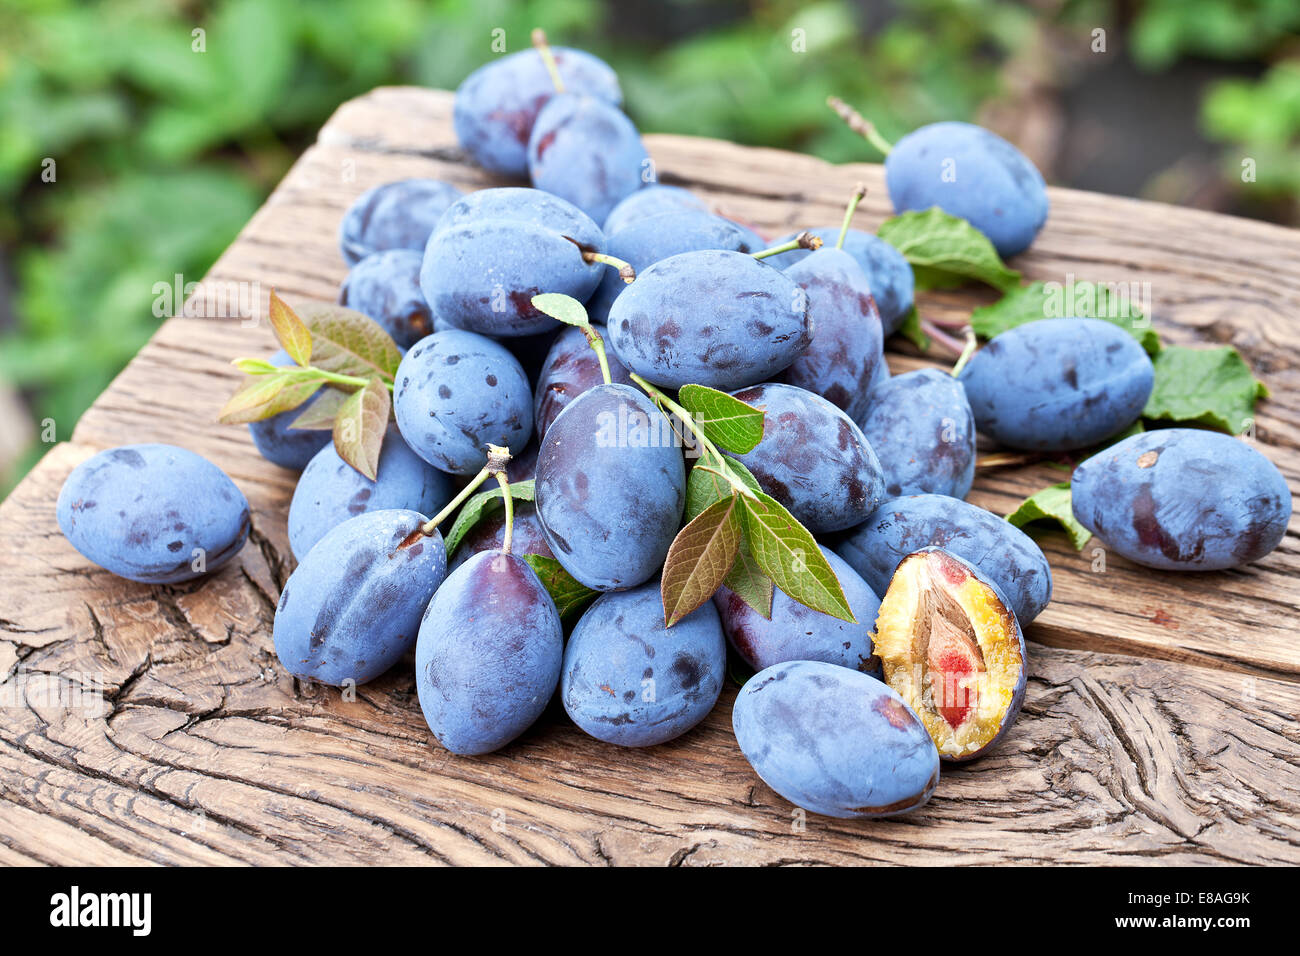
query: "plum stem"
953, 345
544, 48
306, 372
805, 240
509, 500
597, 344
860, 124
498, 457
966, 352
858, 193
625, 270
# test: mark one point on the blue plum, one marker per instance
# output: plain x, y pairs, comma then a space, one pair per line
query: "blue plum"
795, 632
571, 367
386, 287
587, 151
644, 242
331, 491
845, 358
284, 446
954, 652
628, 680
488, 657
653, 199
497, 105
713, 317
1058, 384
812, 458
889, 274
497, 248
157, 514
972, 174
921, 427
490, 532
834, 741
1001, 551
611, 484
352, 607
1183, 499
457, 392
397, 215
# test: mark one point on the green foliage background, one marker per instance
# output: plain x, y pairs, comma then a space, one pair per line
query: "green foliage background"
162, 154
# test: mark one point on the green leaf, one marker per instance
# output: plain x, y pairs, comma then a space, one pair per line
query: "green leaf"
360, 426
348, 342
290, 331
748, 582
254, 366
267, 395
1051, 504
788, 554
700, 557
569, 596
565, 308
706, 484
482, 504
945, 250
1042, 300
320, 414
1212, 387
727, 422
912, 331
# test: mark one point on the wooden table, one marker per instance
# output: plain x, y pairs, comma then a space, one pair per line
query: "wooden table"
154, 724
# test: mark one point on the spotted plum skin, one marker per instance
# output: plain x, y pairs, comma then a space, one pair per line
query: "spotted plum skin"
458, 392
835, 741
797, 633
812, 458
713, 317
281, 445
644, 242
630, 681
488, 657
490, 533
586, 151
1058, 384
571, 367
352, 607
611, 484
921, 427
652, 199
1183, 499
397, 215
889, 275
497, 105
972, 174
998, 549
845, 359
331, 491
153, 513
497, 248
386, 287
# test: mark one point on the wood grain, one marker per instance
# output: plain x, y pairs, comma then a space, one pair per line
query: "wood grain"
154, 724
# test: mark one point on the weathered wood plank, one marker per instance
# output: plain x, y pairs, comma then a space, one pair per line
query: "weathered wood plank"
193, 746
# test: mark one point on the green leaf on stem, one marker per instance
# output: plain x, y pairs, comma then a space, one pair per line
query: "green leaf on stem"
727, 422
1212, 387
700, 557
360, 426
481, 505
255, 366
265, 395
946, 251
349, 343
563, 307
707, 483
1088, 300
748, 582
294, 336
788, 554
912, 331
1051, 504
569, 596
320, 414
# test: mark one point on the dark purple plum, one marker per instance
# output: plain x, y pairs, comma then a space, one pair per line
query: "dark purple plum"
490, 533
921, 427
386, 287
397, 215
284, 446
571, 367
652, 199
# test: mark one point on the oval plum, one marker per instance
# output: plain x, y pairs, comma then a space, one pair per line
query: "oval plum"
921, 428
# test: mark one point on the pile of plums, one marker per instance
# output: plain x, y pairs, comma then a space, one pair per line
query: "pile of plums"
845, 719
